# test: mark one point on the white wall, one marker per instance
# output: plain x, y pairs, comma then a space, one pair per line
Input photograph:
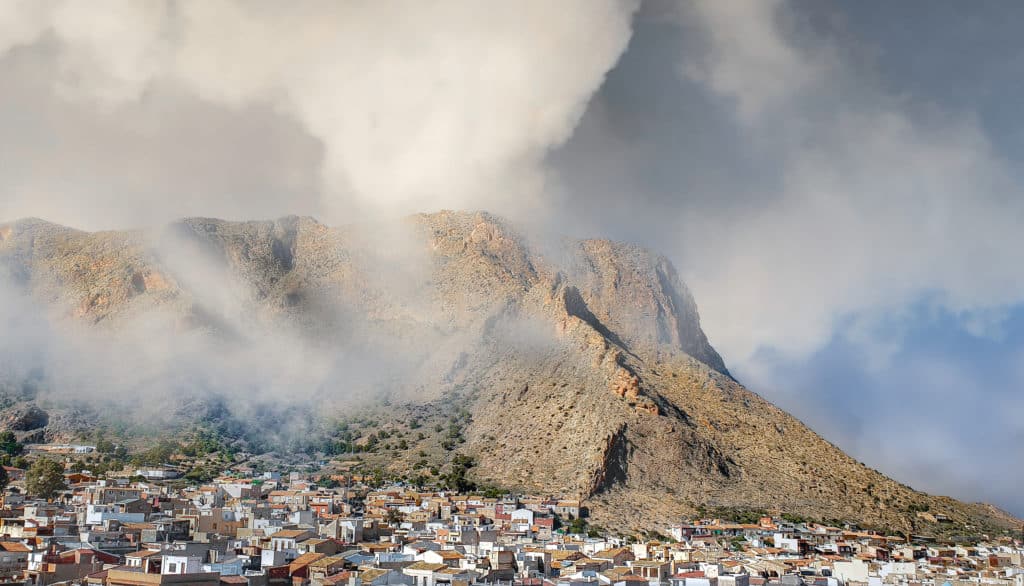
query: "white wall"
855, 570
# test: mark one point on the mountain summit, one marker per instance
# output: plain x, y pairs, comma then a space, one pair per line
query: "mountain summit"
580, 366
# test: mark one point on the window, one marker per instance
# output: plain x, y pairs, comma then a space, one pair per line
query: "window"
172, 568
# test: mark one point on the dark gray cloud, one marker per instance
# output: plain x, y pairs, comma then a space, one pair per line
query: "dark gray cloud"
794, 187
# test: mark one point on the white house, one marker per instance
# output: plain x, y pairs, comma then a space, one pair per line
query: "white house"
521, 520
851, 571
733, 580
98, 514
787, 543
271, 558
157, 473
181, 564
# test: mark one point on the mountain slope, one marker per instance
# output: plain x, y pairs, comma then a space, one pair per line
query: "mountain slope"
581, 364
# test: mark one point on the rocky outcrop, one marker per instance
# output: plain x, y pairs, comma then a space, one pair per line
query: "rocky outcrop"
627, 385
638, 295
24, 418
614, 468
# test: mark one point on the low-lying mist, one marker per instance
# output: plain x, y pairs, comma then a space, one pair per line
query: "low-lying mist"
266, 329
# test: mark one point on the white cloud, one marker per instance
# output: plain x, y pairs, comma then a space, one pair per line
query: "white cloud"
418, 106
749, 61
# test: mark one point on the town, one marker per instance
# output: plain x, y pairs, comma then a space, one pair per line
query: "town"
61, 524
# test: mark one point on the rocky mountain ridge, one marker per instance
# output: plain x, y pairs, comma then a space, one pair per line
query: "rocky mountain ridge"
581, 364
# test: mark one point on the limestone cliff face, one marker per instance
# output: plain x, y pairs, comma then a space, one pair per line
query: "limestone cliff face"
638, 295
584, 366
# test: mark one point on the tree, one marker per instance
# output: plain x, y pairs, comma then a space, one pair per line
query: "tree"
9, 443
201, 474
328, 482
577, 526
157, 455
494, 492
4, 479
456, 479
105, 446
45, 478
395, 517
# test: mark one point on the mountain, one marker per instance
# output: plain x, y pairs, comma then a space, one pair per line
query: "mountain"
576, 368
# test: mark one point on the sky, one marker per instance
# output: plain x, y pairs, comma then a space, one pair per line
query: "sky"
836, 181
